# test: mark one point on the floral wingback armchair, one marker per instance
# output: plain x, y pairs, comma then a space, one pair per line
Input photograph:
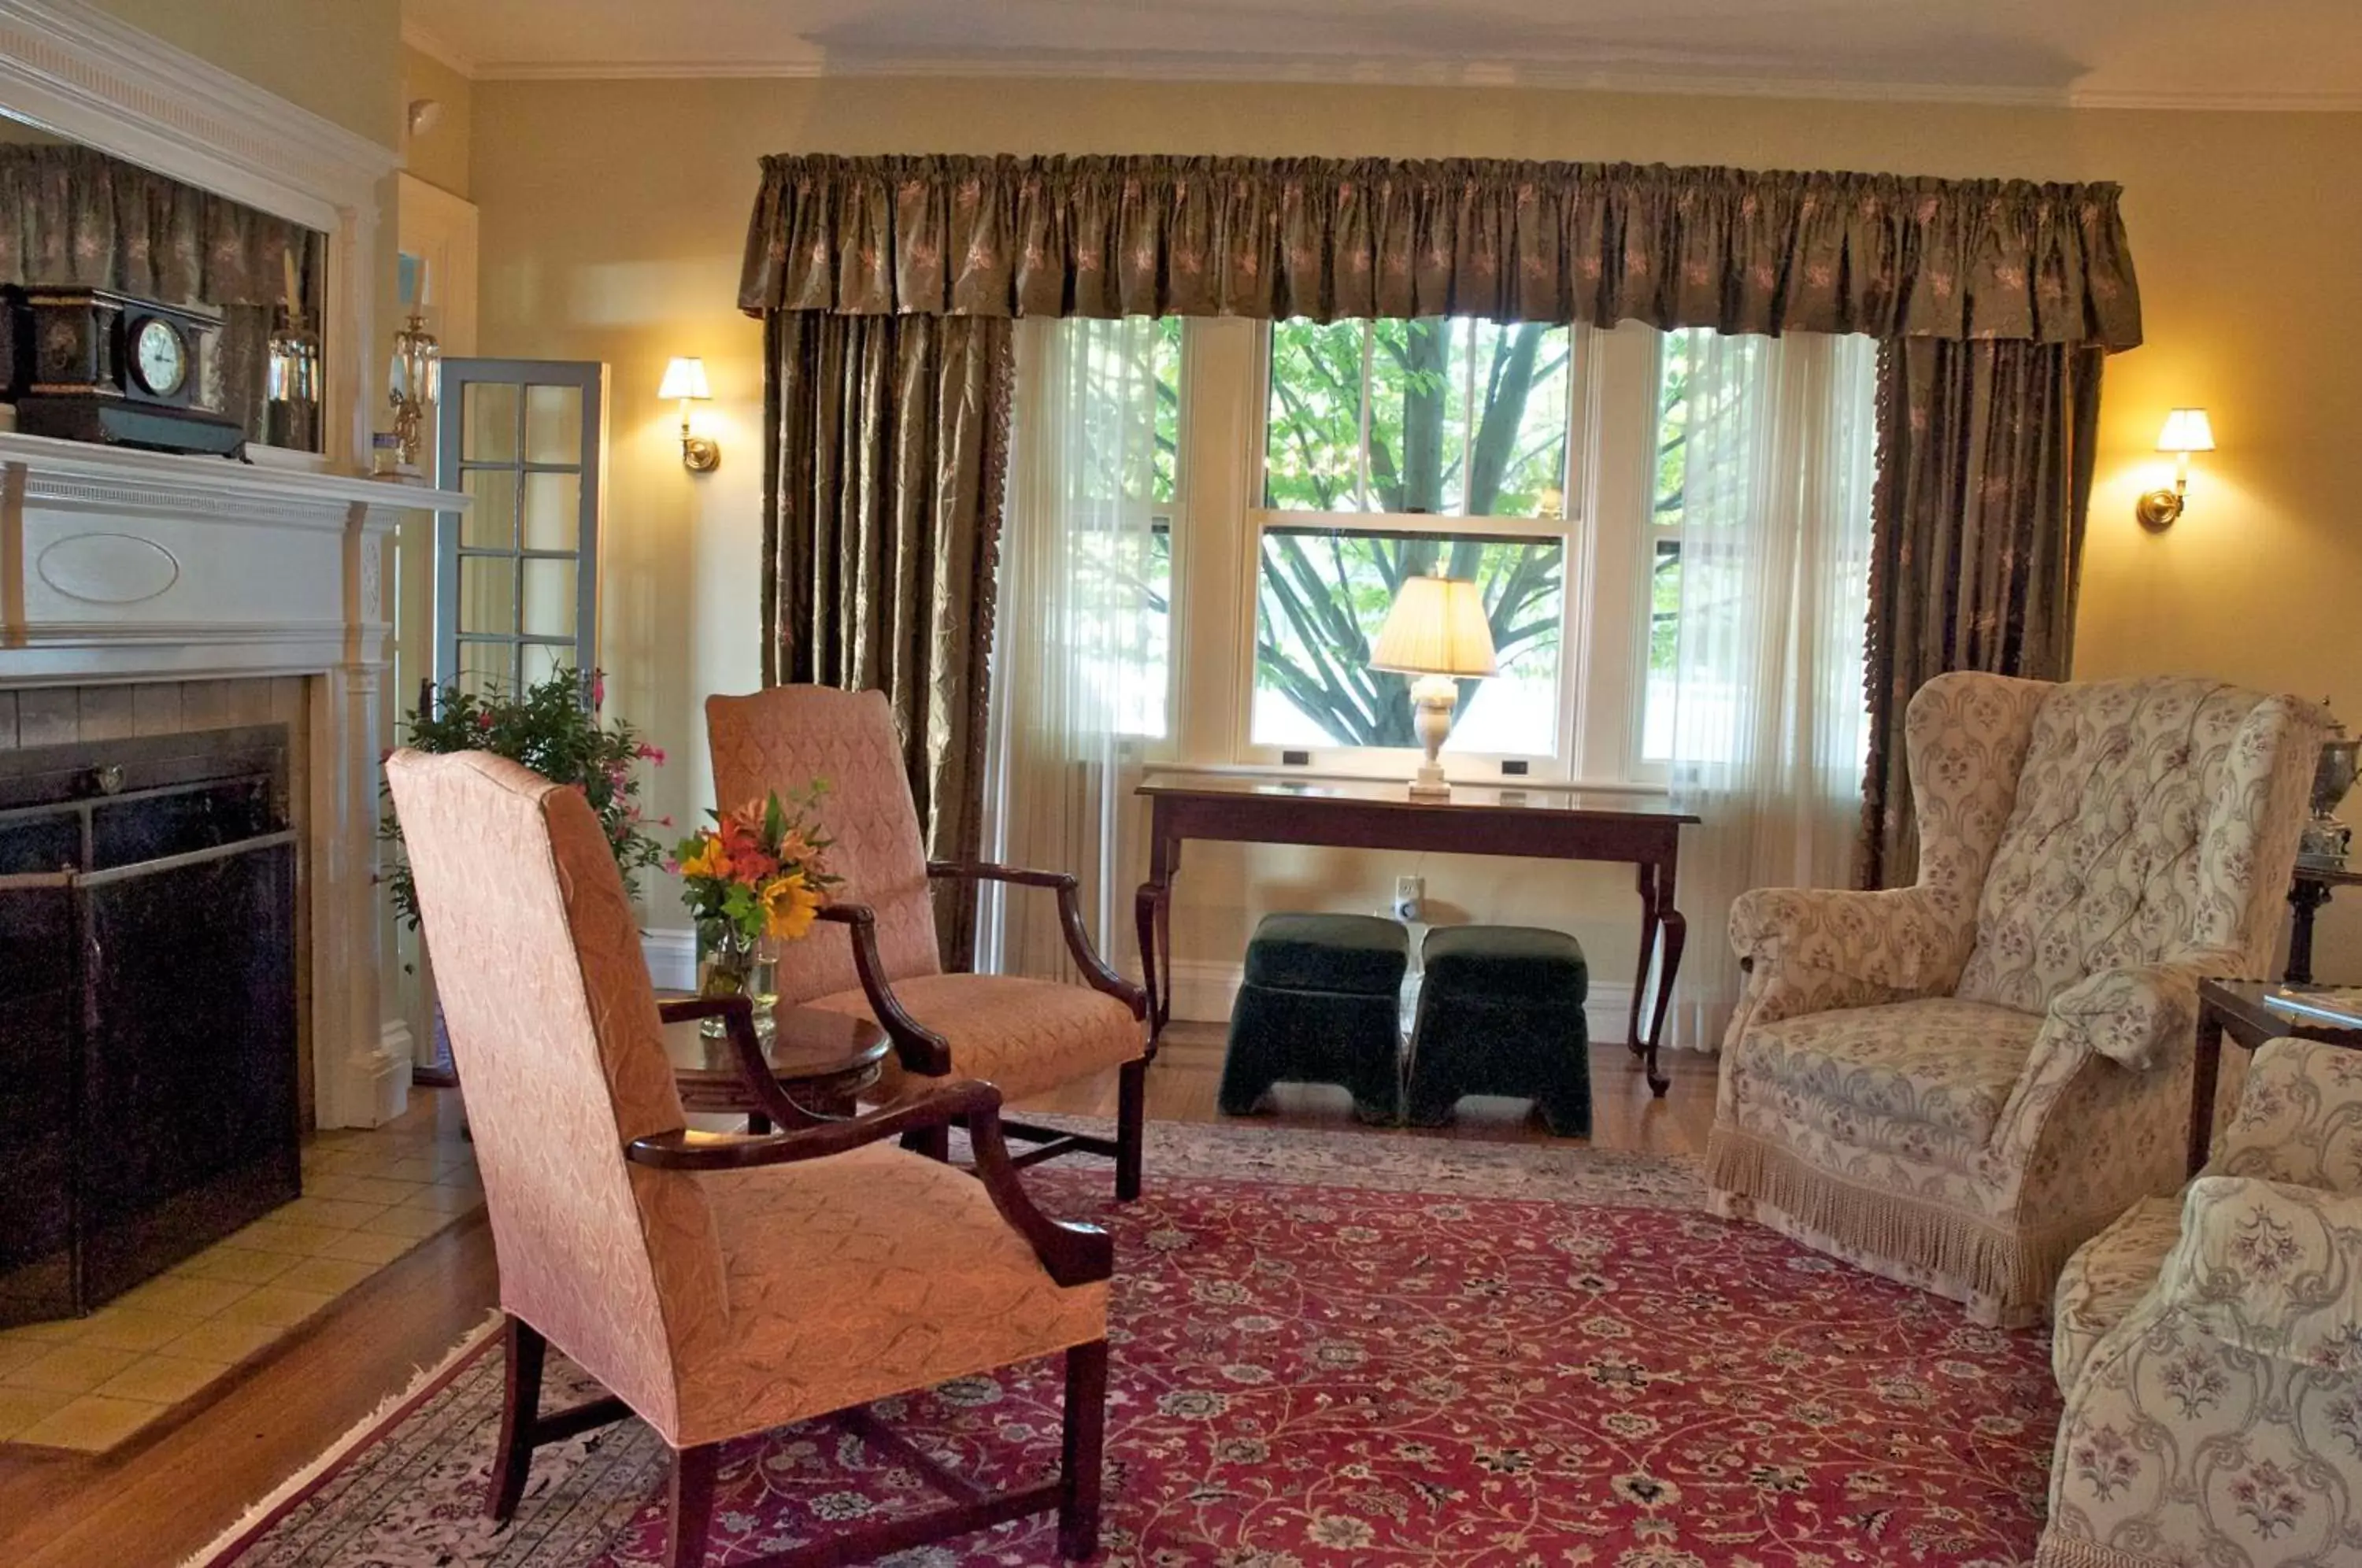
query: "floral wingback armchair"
2210, 1348
1956, 1083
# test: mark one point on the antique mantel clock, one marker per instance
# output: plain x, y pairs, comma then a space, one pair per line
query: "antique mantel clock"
93, 365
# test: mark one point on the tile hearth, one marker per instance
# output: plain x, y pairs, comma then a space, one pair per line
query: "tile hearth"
88, 1384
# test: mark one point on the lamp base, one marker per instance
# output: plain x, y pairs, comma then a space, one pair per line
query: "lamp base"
700, 454
1435, 697
2158, 509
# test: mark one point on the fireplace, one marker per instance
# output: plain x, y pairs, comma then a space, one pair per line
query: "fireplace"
148, 1007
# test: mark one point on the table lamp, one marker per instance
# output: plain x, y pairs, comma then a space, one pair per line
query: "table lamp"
1436, 631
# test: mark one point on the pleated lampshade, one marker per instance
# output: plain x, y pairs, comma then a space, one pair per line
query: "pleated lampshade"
1436, 627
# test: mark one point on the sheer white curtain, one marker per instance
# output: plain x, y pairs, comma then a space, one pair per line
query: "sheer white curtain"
1768, 721
1074, 664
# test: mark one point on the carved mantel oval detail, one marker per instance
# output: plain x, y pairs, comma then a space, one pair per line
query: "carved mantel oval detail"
108, 568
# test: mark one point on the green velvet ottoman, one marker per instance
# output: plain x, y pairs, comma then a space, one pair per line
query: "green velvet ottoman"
1321, 1003
1501, 1013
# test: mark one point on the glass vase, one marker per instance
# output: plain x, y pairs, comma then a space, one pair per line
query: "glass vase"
726, 968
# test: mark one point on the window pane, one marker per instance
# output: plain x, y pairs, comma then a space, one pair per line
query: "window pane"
1664, 644
552, 424
1460, 416
491, 523
1323, 594
488, 421
488, 595
553, 512
487, 669
549, 606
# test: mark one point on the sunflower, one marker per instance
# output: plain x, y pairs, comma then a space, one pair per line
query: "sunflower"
790, 906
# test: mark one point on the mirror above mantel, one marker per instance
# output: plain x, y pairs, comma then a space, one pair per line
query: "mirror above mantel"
73, 216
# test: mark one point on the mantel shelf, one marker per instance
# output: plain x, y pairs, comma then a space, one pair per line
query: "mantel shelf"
171, 482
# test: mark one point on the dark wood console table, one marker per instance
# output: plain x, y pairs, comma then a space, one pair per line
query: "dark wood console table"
1539, 821
2308, 890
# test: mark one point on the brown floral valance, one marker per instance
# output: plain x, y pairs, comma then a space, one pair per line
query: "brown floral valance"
1737, 250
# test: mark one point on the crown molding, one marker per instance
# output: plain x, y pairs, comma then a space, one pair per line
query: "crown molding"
1334, 70
72, 69
440, 49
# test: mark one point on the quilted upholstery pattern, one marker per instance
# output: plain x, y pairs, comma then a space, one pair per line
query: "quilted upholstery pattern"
869, 1274
1021, 1034
712, 1304
2087, 853
2135, 836
783, 738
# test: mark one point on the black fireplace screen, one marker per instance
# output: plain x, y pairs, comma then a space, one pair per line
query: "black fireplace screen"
148, 1030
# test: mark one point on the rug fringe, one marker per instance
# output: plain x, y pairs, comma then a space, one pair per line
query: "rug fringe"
389, 1410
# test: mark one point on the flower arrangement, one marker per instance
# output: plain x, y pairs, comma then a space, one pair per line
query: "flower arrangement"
554, 728
759, 872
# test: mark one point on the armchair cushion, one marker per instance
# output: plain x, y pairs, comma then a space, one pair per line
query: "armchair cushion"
1022, 1035
1934, 1072
2272, 1268
860, 1275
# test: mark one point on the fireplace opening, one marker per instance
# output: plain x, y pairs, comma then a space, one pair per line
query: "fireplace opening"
147, 1008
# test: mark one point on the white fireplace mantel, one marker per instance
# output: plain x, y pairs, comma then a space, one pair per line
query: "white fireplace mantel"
121, 566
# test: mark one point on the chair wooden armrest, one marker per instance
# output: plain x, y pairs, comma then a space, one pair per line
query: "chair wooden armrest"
1095, 969
920, 1049
1073, 1255
737, 1015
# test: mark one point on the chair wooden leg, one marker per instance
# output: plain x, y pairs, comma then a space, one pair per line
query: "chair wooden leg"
520, 1409
1130, 1119
935, 1143
693, 1505
1086, 1440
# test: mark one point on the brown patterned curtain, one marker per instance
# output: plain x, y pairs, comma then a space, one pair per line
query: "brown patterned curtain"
1984, 478
1995, 299
75, 215
883, 483
1735, 250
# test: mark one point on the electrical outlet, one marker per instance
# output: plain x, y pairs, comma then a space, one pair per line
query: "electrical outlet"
1410, 898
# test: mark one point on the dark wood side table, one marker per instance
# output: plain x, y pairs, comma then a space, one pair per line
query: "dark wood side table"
2308, 890
1537, 821
2236, 1008
824, 1061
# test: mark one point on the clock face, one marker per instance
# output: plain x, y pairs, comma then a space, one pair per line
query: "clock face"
159, 357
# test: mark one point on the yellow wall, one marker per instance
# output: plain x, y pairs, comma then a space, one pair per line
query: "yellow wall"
340, 58
439, 154
614, 213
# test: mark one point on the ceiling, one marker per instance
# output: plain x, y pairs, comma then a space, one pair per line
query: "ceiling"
2291, 54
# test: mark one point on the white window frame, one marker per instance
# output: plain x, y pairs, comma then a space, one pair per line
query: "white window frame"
1604, 582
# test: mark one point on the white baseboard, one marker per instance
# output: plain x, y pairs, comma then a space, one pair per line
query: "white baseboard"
1203, 992
672, 959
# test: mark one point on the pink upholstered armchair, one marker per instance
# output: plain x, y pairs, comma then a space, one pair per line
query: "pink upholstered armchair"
718, 1284
1955, 1084
879, 957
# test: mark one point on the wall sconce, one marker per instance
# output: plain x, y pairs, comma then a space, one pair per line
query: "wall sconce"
2186, 431
685, 380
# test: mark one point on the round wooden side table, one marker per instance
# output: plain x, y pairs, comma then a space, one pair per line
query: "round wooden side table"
824, 1061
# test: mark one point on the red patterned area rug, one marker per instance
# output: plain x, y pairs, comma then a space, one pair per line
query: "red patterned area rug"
1347, 1349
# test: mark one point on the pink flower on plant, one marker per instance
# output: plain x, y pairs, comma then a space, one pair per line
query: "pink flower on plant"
598, 689
484, 721
652, 753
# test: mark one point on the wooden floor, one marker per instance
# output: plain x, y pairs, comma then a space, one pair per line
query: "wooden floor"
175, 1486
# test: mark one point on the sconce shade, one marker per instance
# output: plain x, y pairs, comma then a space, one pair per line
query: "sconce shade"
685, 377
1436, 627
2186, 430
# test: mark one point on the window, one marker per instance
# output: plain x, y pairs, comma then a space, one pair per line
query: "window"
1447, 440
1307, 468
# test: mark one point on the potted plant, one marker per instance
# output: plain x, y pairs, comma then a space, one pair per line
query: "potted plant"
554, 728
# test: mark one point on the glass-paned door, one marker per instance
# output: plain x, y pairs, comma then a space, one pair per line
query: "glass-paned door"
516, 575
